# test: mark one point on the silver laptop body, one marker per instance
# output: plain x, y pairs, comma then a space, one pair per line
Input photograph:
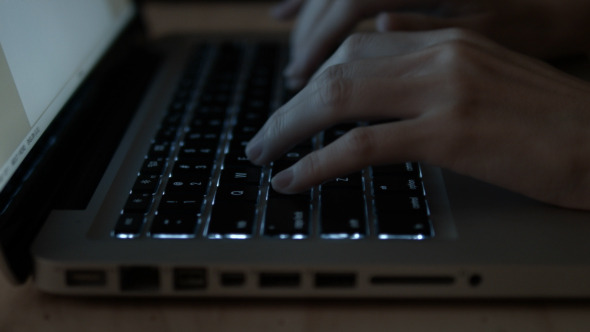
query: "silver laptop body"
484, 242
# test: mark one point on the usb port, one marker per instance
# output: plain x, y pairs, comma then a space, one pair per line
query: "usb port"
335, 280
280, 280
86, 278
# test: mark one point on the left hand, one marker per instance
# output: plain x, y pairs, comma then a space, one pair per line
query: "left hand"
541, 28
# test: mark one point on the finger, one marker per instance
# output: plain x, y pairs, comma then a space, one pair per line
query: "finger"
287, 9
394, 142
335, 98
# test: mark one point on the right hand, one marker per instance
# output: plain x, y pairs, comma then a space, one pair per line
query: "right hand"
449, 98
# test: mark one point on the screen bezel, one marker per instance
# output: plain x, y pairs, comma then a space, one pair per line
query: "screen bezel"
36, 186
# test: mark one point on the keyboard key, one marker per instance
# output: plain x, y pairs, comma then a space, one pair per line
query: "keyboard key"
349, 182
395, 224
343, 214
194, 185
401, 208
153, 166
174, 225
192, 167
187, 204
197, 151
202, 122
129, 225
243, 175
159, 149
230, 219
238, 192
394, 185
237, 159
211, 138
138, 203
209, 111
403, 202
287, 217
146, 183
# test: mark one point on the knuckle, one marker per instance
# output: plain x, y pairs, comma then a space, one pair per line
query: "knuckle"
334, 73
462, 51
461, 83
311, 166
333, 89
353, 45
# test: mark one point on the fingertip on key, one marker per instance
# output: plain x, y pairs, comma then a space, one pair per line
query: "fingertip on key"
282, 181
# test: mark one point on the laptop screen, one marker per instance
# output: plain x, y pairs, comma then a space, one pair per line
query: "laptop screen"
46, 50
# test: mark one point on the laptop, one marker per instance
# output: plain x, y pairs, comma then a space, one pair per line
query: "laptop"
123, 174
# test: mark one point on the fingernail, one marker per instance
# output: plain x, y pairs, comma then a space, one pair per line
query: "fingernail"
282, 180
254, 149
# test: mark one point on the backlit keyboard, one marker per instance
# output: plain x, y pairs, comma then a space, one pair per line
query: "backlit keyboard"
196, 182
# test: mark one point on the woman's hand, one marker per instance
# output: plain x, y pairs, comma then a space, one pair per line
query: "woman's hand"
465, 104
542, 28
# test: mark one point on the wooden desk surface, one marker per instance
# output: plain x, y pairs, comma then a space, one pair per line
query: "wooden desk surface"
26, 309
